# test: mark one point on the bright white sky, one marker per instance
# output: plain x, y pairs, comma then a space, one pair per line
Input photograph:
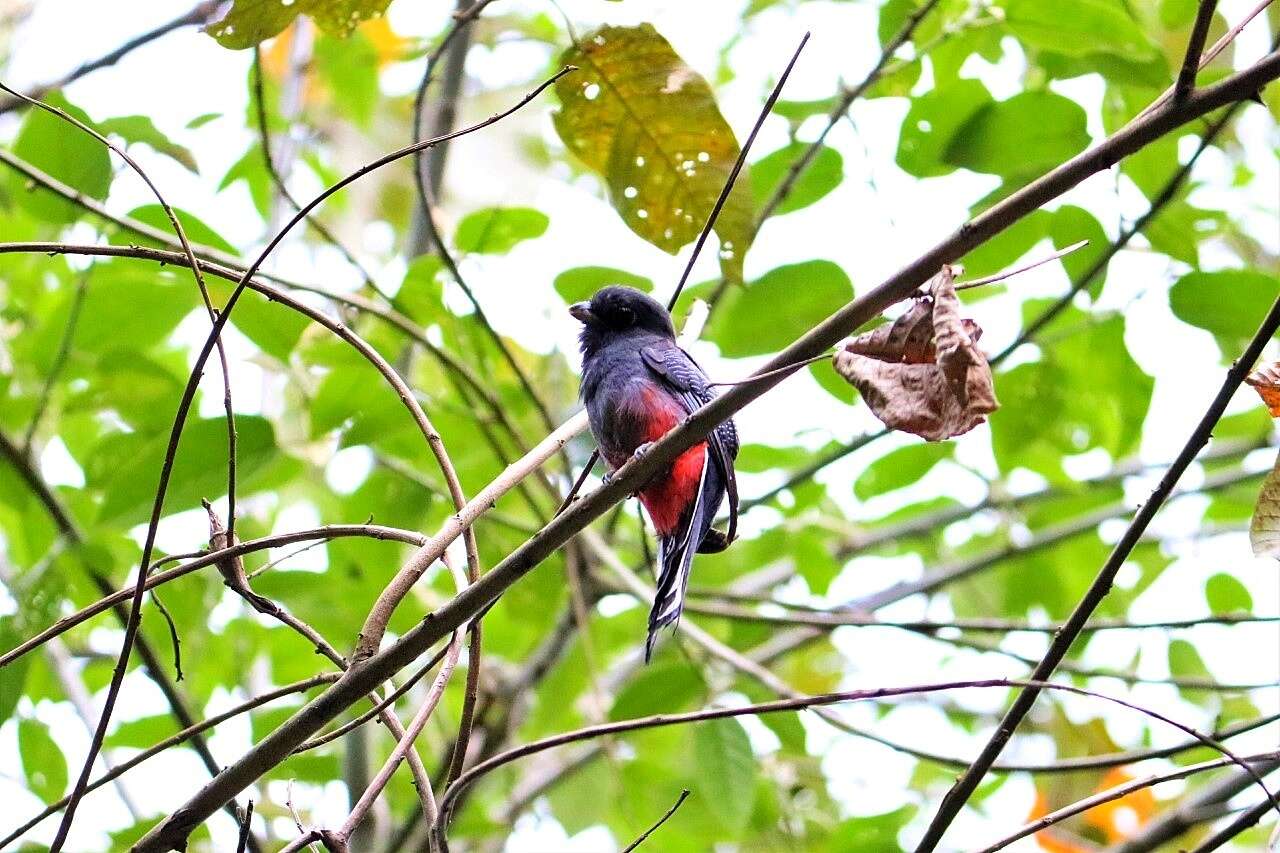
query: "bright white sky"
869, 232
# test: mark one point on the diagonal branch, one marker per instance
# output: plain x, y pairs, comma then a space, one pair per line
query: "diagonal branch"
1101, 585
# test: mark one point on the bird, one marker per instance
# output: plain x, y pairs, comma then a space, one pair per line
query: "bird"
637, 385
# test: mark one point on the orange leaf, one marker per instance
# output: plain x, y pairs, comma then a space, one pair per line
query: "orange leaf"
1120, 819
1046, 839
1266, 381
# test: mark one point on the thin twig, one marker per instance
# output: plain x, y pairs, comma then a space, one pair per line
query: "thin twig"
737, 167
1195, 43
684, 795
243, 841
174, 639
795, 704
1030, 265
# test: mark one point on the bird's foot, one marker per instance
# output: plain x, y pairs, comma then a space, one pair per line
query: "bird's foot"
642, 450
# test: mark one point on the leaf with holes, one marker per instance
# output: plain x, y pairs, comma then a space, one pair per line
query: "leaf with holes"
251, 21
648, 123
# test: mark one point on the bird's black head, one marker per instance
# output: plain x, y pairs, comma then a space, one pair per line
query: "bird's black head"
618, 310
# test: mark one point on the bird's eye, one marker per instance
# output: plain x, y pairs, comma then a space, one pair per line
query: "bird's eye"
625, 316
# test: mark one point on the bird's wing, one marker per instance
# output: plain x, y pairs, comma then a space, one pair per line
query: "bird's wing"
684, 378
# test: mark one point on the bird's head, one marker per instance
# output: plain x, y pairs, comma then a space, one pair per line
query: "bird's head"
618, 310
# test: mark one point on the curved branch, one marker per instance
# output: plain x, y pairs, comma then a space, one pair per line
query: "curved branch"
335, 531
799, 703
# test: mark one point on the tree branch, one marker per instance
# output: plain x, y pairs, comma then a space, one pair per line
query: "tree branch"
684, 795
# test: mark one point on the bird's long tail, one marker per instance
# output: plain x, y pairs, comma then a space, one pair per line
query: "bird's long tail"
675, 556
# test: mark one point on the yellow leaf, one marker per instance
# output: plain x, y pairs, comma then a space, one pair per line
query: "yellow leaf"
648, 124
389, 45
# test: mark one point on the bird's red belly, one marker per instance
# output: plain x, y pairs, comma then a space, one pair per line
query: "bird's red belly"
667, 497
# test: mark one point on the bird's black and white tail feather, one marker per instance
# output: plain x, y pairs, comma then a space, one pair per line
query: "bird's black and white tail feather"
675, 554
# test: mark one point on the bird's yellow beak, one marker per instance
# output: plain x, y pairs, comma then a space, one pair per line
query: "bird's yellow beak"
581, 312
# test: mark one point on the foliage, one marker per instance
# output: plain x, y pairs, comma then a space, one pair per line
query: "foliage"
1008, 522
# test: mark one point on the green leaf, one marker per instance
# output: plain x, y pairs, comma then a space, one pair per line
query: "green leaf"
1070, 224
196, 230
1078, 27
1175, 14
1199, 298
1185, 662
42, 761
140, 130
142, 733
252, 169
350, 68
820, 177
797, 111
497, 230
1025, 135
579, 283
660, 688
202, 119
1226, 594
900, 467
13, 676
421, 293
252, 21
933, 121
272, 327
125, 467
64, 152
872, 834
644, 120
769, 313
1086, 391
725, 767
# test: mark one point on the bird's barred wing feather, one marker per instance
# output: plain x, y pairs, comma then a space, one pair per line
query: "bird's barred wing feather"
687, 381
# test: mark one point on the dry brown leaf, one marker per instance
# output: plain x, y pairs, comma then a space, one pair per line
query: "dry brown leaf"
923, 374
1266, 381
1264, 527
908, 339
